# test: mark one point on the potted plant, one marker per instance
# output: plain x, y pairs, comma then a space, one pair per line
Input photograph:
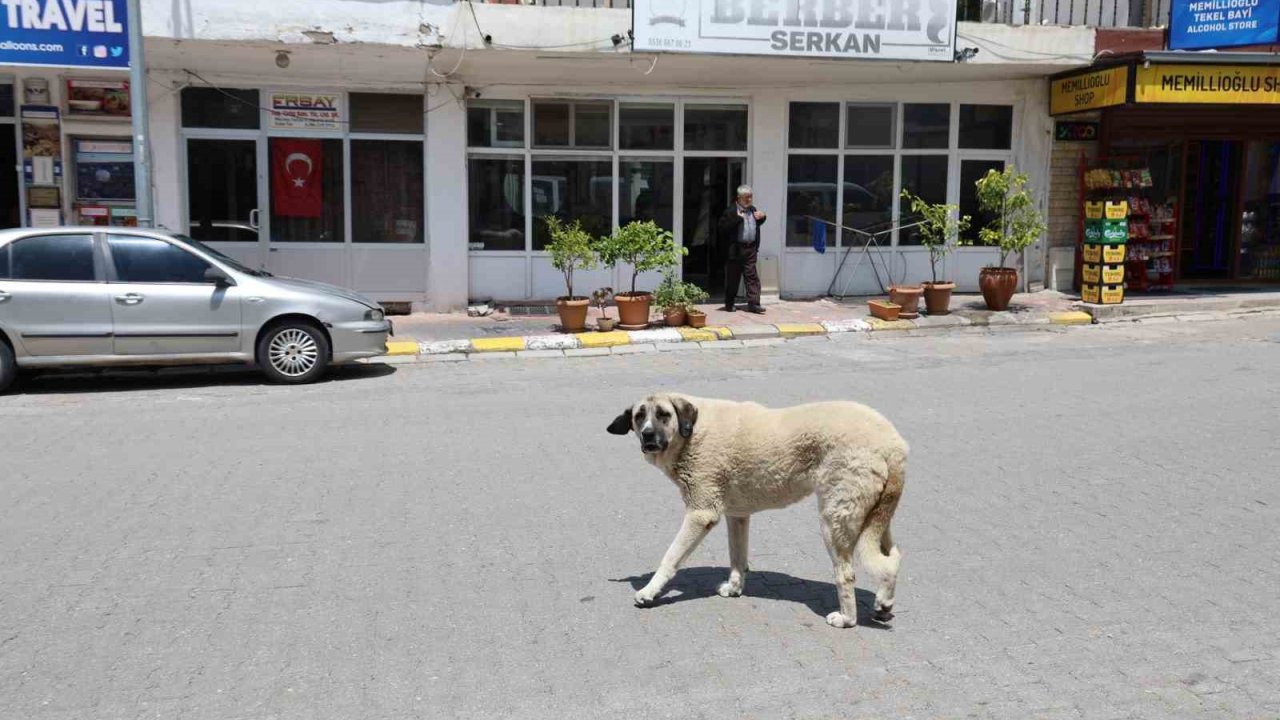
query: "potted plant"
1016, 224
644, 246
693, 296
600, 297
670, 299
571, 249
940, 224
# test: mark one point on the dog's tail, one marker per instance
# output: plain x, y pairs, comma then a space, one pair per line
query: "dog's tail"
876, 550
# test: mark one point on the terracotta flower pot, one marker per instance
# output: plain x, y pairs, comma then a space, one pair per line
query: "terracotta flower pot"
908, 297
884, 310
573, 313
697, 318
633, 310
937, 297
998, 285
674, 317
605, 324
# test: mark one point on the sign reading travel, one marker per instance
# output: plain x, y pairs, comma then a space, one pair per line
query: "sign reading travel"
849, 29
1070, 131
1089, 91
64, 33
1215, 84
1203, 24
305, 111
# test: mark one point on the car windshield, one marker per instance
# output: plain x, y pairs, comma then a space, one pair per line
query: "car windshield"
221, 257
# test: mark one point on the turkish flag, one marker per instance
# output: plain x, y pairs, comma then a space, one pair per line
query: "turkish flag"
297, 167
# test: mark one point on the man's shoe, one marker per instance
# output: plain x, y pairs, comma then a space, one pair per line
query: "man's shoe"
729, 308
755, 309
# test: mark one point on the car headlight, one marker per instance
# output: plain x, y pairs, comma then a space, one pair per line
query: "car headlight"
374, 315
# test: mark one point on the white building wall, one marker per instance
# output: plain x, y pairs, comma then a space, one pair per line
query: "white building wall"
446, 188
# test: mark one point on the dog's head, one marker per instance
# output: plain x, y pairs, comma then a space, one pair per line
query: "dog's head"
659, 420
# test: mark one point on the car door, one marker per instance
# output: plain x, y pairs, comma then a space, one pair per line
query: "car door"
162, 303
53, 301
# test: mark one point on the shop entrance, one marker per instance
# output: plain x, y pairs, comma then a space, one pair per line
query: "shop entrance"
1210, 232
10, 204
709, 187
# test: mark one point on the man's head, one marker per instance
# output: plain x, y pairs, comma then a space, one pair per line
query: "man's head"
745, 195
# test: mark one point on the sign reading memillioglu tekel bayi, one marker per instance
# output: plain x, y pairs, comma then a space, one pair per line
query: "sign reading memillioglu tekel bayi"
853, 29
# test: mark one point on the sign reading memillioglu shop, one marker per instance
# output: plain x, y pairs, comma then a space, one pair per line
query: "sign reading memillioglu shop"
1208, 84
852, 29
64, 33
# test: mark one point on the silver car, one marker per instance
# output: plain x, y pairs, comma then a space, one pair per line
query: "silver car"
100, 297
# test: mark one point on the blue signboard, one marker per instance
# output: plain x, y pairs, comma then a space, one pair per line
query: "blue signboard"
1205, 24
64, 33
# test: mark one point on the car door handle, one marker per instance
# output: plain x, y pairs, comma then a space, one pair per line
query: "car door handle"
4, 296
129, 299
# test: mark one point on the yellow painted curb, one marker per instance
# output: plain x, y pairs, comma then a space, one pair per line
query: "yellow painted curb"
499, 344
605, 339
722, 333
878, 324
698, 334
1071, 318
402, 347
798, 329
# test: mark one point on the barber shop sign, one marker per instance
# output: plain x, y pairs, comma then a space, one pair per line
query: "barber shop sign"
852, 29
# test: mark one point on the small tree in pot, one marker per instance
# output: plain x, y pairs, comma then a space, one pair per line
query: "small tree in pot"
601, 297
940, 224
1016, 224
644, 246
571, 249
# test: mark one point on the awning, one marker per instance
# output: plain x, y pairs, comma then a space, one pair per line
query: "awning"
1169, 77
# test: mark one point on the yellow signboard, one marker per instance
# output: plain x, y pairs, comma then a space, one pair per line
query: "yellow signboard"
1217, 84
1089, 91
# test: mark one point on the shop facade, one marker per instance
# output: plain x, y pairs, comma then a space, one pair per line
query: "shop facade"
1192, 145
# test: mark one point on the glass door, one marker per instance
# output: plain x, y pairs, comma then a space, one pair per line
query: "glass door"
710, 184
222, 197
306, 223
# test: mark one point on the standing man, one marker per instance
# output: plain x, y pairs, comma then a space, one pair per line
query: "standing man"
740, 235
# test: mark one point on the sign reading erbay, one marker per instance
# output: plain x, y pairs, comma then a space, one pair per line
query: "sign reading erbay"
852, 29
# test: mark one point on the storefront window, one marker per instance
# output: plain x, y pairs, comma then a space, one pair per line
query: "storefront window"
495, 193
814, 125
715, 127
811, 191
646, 192
386, 191
971, 171
577, 124
986, 127
220, 108
6, 99
306, 190
926, 177
870, 126
646, 127
592, 125
222, 190
868, 191
1260, 224
926, 127
386, 113
496, 124
572, 189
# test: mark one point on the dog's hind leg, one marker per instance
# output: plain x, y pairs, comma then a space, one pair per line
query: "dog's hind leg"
876, 549
738, 530
696, 525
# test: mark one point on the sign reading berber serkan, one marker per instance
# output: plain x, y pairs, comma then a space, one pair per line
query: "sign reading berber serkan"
1205, 24
851, 29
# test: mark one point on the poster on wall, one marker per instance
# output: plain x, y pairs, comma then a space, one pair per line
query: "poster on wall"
848, 29
65, 33
41, 145
1206, 24
103, 169
98, 99
305, 111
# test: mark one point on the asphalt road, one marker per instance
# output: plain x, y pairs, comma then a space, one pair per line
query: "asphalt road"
1090, 529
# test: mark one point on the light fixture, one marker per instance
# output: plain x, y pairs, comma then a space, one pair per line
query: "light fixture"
282, 59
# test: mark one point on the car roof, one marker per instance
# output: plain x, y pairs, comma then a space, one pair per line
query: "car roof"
14, 233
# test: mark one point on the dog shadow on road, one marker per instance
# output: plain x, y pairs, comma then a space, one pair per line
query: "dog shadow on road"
698, 583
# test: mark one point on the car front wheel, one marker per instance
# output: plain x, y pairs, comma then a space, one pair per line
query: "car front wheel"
293, 353
8, 366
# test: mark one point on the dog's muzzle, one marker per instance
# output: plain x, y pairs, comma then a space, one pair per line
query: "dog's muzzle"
650, 443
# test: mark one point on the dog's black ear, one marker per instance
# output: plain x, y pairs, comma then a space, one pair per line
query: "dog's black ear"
686, 415
621, 425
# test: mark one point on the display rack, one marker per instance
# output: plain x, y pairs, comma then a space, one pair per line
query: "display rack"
1151, 261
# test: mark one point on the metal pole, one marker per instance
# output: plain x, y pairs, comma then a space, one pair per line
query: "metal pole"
141, 123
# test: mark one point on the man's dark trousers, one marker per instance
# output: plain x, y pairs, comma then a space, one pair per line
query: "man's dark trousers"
741, 264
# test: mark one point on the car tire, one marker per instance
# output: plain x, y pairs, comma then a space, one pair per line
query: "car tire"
293, 353
8, 366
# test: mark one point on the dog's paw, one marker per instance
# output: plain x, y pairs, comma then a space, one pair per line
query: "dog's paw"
840, 620
729, 589
884, 614
644, 598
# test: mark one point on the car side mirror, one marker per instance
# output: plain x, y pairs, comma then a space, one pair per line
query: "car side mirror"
218, 277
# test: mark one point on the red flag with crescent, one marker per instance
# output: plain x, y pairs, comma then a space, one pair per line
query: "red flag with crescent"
297, 169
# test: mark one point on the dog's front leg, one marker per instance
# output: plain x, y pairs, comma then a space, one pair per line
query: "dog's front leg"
738, 530
696, 525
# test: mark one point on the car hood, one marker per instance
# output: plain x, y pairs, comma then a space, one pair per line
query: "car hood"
325, 288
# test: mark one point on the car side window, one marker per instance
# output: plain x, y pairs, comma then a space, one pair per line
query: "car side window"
64, 258
147, 260
4, 262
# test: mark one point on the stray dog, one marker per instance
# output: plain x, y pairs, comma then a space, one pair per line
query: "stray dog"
732, 459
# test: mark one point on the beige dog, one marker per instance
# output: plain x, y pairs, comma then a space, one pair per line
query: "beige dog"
732, 459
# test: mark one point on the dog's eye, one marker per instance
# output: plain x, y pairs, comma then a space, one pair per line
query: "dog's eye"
663, 415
